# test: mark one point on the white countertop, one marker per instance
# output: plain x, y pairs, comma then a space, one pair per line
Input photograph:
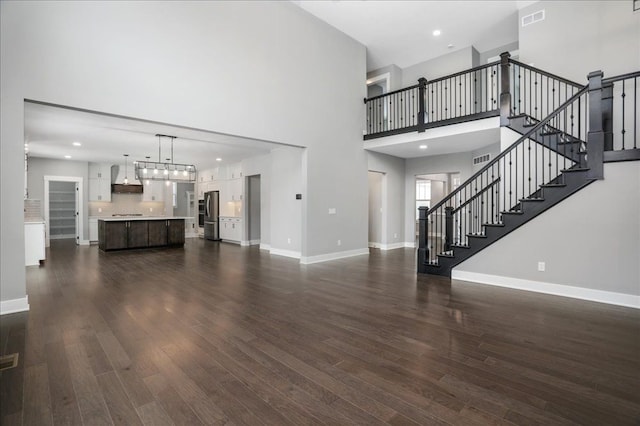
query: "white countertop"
129, 218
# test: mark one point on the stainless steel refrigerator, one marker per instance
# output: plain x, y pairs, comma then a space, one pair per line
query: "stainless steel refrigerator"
211, 215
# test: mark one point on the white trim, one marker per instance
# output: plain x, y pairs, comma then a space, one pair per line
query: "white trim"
14, 305
245, 243
386, 77
408, 244
285, 253
85, 242
620, 299
254, 242
391, 246
305, 260
266, 247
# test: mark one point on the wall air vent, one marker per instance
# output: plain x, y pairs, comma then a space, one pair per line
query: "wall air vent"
481, 159
533, 18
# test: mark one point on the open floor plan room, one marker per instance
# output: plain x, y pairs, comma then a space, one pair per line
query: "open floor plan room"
222, 334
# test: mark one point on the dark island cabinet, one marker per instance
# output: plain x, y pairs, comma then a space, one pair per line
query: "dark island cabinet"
130, 234
176, 232
138, 234
157, 233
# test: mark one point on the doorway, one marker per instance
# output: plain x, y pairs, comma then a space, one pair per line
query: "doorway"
433, 188
253, 210
377, 238
62, 215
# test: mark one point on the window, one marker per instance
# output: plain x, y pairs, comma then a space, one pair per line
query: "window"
423, 194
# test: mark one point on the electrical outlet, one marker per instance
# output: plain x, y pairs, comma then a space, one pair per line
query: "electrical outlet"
150, 209
541, 266
339, 242
99, 209
332, 211
288, 240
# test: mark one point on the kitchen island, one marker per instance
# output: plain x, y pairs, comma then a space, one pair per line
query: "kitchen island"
132, 232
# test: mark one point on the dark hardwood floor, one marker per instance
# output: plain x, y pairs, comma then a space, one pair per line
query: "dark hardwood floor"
220, 334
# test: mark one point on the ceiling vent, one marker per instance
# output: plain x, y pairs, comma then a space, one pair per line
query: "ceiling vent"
533, 18
481, 159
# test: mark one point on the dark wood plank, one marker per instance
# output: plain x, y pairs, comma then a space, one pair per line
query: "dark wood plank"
120, 408
64, 406
37, 404
217, 333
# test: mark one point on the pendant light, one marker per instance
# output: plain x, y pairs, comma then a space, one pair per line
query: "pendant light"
126, 179
170, 170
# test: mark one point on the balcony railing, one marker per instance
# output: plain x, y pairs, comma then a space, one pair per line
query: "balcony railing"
504, 88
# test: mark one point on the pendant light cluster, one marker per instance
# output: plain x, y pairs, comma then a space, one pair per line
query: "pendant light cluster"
167, 171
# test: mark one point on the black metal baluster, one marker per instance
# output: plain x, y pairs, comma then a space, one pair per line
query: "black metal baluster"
623, 105
635, 113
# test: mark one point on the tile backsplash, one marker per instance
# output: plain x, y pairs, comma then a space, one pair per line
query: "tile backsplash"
128, 204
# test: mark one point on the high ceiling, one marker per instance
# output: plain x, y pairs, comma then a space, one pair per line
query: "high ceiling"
401, 32
394, 32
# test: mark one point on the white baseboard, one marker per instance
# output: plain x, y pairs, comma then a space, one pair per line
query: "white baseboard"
382, 246
85, 242
266, 247
305, 260
285, 253
612, 298
14, 305
408, 244
246, 243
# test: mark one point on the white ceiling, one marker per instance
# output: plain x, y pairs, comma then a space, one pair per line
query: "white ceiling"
50, 132
400, 32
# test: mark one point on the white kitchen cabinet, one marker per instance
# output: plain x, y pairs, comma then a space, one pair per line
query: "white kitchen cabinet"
100, 189
99, 182
153, 191
231, 229
234, 171
93, 230
34, 241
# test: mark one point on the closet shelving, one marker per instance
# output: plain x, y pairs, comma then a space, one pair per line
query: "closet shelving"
62, 210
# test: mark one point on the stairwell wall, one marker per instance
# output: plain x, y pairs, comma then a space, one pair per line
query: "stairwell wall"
576, 38
590, 241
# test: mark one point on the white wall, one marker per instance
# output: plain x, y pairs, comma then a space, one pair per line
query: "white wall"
441, 66
286, 210
375, 208
449, 163
38, 168
591, 240
195, 64
394, 170
579, 37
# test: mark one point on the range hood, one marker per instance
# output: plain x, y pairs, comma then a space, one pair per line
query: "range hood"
117, 182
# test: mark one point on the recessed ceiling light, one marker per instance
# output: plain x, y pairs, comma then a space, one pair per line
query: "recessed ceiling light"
423, 147
450, 46
436, 33
218, 159
77, 144
67, 156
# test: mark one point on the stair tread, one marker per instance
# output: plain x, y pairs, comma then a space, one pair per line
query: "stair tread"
532, 199
476, 236
553, 185
512, 117
578, 169
512, 212
497, 225
462, 246
549, 133
450, 256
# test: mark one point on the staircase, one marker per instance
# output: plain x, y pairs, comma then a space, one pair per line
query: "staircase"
555, 157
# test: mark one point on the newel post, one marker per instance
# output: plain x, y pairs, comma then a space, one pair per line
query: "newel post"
595, 136
448, 228
422, 86
505, 89
423, 249
607, 115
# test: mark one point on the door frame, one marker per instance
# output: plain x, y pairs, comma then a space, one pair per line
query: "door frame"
79, 206
383, 243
